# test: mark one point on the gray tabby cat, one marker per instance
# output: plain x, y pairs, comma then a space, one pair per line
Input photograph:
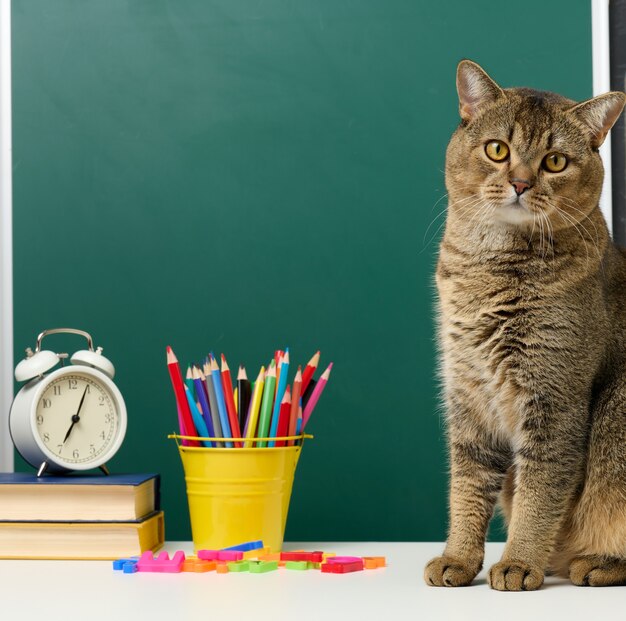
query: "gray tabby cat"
533, 340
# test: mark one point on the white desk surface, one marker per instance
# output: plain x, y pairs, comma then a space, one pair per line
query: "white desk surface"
92, 591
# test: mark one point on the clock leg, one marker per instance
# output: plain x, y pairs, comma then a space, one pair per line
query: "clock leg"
42, 469
104, 469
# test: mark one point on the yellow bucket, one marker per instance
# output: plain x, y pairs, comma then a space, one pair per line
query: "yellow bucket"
238, 494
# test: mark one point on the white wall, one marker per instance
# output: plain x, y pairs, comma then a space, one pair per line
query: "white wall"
6, 240
602, 84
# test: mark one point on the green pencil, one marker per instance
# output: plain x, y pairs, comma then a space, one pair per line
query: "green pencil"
267, 404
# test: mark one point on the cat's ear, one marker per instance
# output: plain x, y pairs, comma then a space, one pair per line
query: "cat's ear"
476, 89
599, 114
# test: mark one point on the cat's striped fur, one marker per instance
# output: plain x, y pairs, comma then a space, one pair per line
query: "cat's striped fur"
532, 310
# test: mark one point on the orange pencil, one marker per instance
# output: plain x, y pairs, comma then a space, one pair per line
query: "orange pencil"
227, 383
295, 400
283, 417
189, 429
309, 370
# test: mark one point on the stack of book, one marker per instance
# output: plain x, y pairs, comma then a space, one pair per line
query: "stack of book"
79, 516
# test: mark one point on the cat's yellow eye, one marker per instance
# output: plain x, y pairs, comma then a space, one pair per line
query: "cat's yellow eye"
497, 150
554, 162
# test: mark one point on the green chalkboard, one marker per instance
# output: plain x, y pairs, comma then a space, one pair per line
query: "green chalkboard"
240, 176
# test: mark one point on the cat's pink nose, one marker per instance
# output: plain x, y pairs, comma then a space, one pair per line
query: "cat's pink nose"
520, 185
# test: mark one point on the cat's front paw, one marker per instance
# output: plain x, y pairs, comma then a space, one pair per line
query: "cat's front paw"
596, 570
450, 572
515, 576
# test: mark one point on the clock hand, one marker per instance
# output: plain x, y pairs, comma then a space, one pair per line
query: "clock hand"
76, 417
80, 405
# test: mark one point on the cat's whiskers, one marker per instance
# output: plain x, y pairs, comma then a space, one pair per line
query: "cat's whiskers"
579, 223
540, 233
532, 232
571, 221
483, 212
568, 220
550, 232
463, 210
473, 201
446, 195
572, 204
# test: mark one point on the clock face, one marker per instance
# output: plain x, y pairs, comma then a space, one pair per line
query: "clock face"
77, 419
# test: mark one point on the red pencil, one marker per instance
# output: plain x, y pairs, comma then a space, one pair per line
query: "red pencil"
295, 400
227, 384
283, 418
278, 354
309, 370
189, 428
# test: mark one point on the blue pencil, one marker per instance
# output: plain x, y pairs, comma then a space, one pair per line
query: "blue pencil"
280, 393
197, 417
215, 415
221, 402
204, 402
299, 421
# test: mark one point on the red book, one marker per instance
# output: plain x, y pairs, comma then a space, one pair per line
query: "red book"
227, 385
189, 429
283, 418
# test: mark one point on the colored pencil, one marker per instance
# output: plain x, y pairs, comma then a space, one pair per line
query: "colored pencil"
295, 401
266, 406
312, 402
213, 407
280, 393
189, 380
299, 423
204, 401
255, 405
306, 395
283, 420
181, 424
227, 385
278, 354
243, 396
279, 364
197, 417
249, 407
309, 370
179, 392
221, 402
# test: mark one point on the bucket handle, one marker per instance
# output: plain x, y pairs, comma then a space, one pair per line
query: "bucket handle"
177, 437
